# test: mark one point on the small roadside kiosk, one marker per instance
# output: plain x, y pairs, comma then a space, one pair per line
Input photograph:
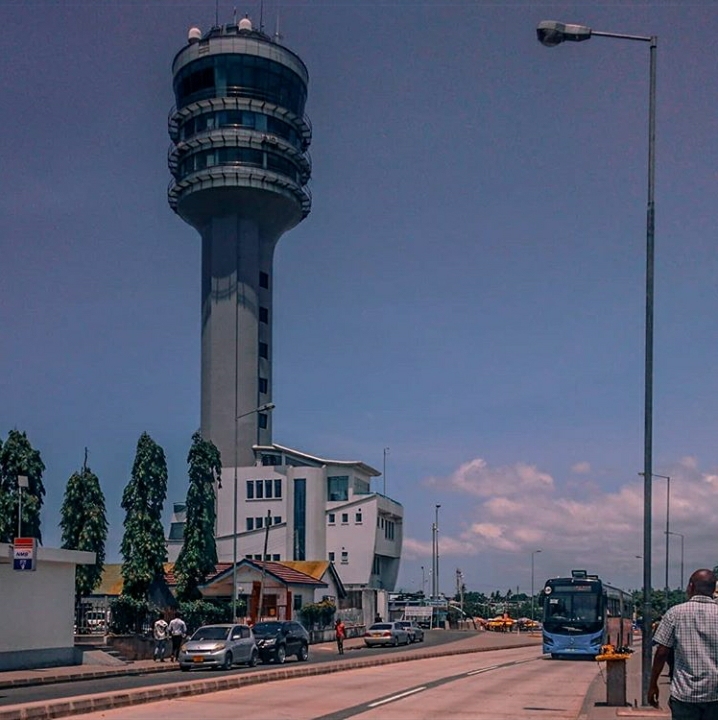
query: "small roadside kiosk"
37, 601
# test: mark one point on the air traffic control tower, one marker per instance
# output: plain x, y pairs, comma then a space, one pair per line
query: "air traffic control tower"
240, 166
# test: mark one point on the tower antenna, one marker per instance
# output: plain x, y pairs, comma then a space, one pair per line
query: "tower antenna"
261, 15
277, 34
216, 13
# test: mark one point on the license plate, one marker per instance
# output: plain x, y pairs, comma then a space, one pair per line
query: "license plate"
376, 635
198, 659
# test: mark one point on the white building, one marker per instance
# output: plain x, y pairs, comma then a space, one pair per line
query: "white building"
302, 507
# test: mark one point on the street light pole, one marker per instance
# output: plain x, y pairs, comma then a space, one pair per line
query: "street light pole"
682, 537
436, 573
386, 450
533, 617
262, 408
551, 33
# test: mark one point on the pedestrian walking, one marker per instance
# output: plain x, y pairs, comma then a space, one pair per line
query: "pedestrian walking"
160, 634
691, 631
340, 632
177, 630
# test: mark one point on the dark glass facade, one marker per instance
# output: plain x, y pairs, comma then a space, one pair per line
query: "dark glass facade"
236, 108
240, 76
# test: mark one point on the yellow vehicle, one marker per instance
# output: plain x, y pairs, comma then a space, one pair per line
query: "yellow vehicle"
501, 623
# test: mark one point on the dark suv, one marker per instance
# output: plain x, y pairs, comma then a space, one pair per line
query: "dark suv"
277, 639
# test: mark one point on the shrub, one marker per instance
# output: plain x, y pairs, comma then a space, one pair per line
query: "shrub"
318, 615
196, 613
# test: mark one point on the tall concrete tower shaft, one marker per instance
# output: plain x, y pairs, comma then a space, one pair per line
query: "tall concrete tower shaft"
240, 167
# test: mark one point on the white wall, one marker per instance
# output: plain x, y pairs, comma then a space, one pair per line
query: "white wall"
37, 608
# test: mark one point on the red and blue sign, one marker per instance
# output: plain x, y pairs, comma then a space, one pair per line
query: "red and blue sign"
24, 554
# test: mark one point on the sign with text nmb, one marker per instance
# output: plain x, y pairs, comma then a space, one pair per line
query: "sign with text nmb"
24, 554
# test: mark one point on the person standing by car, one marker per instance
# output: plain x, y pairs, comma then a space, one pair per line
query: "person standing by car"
691, 629
160, 634
178, 630
341, 632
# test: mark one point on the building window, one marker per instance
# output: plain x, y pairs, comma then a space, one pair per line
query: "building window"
358, 518
262, 421
338, 488
331, 557
376, 566
345, 557
300, 518
389, 530
345, 518
263, 385
276, 557
264, 280
297, 602
277, 519
267, 489
263, 350
264, 314
258, 557
332, 518
250, 524
258, 522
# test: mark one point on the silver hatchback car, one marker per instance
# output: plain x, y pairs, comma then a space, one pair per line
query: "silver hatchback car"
386, 633
219, 646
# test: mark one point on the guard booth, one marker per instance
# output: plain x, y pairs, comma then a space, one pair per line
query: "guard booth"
37, 612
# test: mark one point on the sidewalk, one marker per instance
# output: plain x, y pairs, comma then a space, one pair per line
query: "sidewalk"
595, 708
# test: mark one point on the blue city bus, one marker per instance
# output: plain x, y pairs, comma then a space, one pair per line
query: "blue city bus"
581, 613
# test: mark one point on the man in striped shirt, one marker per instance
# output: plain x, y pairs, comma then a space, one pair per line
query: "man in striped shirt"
691, 630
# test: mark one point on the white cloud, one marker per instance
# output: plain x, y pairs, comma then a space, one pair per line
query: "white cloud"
518, 509
581, 468
477, 478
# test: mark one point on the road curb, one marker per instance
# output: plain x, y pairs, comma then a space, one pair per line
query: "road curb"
67, 707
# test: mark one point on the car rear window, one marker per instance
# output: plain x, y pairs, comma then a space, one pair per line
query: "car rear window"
381, 626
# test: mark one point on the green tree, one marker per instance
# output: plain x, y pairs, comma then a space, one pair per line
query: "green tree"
198, 555
143, 543
84, 526
18, 457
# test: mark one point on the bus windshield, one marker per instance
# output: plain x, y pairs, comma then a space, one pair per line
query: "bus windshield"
569, 608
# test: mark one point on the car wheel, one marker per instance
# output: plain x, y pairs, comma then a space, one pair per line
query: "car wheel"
253, 659
303, 654
227, 664
184, 668
280, 655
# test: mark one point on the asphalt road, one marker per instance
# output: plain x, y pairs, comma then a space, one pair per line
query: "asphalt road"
317, 654
510, 684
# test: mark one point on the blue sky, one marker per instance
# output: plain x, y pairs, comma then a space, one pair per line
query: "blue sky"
468, 290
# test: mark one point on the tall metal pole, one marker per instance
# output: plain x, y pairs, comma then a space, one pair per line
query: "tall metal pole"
433, 560
682, 537
533, 617
386, 450
551, 33
423, 580
668, 531
646, 648
261, 408
436, 524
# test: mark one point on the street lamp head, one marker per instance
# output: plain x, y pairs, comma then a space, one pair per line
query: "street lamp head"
266, 407
551, 33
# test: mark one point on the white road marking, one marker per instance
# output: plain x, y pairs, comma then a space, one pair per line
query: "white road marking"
396, 697
483, 670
